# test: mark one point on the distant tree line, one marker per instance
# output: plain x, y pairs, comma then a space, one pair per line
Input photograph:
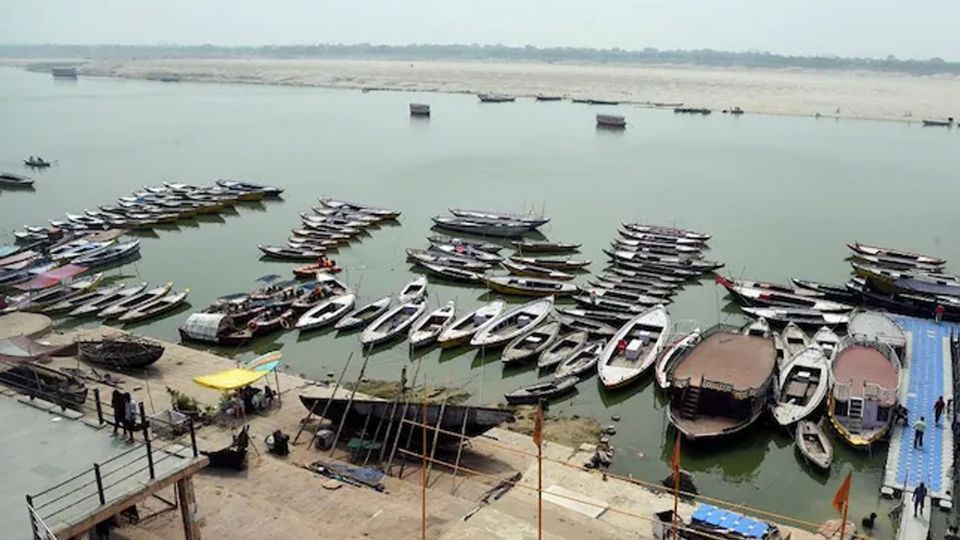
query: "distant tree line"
699, 57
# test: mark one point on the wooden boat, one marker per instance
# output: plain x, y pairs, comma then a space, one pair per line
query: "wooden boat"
450, 418
419, 109
326, 312
415, 290
581, 361
643, 246
837, 293
561, 348
36, 163
475, 244
929, 122
289, 253
464, 328
516, 322
392, 323
120, 353
631, 298
530, 345
311, 243
617, 284
327, 236
330, 228
577, 320
661, 270
52, 385
766, 297
38, 300
327, 266
104, 298
759, 328
894, 263
643, 277
13, 276
154, 308
630, 234
504, 229
696, 265
801, 386
794, 339
733, 285
634, 348
544, 246
667, 231
611, 121
270, 318
362, 316
606, 304
814, 445
8, 179
530, 270
123, 305
495, 98
668, 358
722, 384
556, 264
75, 250
459, 250
238, 185
890, 253
827, 340
383, 213
541, 97
92, 296
799, 316
451, 273
526, 286
549, 390
336, 221
428, 327
606, 316
110, 255
421, 256
866, 378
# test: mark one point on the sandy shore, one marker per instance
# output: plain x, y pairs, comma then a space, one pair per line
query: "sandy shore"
786, 92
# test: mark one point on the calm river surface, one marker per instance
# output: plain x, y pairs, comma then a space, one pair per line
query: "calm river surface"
780, 195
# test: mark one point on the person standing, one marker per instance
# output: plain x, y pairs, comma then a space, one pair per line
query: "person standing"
918, 428
938, 312
119, 411
938, 408
132, 412
919, 498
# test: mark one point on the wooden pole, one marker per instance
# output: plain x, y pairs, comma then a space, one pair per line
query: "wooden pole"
676, 501
540, 488
456, 464
403, 418
327, 406
843, 523
423, 467
346, 412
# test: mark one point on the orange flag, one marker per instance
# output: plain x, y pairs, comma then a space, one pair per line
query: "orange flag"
842, 497
675, 461
538, 428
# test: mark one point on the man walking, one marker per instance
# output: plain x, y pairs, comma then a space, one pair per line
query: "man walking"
938, 408
918, 427
119, 412
919, 498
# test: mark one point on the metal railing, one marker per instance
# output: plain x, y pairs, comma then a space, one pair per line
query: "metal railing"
96, 482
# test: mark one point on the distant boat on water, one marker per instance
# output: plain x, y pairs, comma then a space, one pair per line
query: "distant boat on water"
541, 97
611, 121
419, 109
938, 123
64, 72
495, 98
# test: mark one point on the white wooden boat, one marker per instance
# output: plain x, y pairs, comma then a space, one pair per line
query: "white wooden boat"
465, 327
530, 345
802, 384
392, 323
428, 327
611, 121
415, 290
827, 340
795, 340
561, 348
581, 361
759, 327
670, 354
814, 445
513, 323
634, 348
326, 313
364, 314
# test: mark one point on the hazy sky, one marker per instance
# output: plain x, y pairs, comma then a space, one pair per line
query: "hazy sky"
914, 28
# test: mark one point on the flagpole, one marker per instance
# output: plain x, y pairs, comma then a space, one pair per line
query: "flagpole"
423, 465
676, 487
540, 472
843, 524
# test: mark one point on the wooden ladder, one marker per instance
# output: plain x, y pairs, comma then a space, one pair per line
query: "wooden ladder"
690, 402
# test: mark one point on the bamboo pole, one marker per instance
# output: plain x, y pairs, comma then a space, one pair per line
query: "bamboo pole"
403, 416
843, 523
346, 412
436, 435
325, 407
423, 465
456, 464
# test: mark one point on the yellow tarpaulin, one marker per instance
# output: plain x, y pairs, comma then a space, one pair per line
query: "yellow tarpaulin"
230, 379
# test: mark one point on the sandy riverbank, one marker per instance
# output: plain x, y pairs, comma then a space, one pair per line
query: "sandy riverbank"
277, 498
867, 95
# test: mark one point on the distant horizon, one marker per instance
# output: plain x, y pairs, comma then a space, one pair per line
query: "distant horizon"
388, 46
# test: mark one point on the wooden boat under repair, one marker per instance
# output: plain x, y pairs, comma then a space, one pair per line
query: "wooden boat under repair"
120, 352
814, 445
866, 380
721, 385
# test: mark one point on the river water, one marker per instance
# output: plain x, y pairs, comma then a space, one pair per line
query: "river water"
780, 195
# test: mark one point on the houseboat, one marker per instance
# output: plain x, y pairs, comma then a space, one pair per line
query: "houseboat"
879, 326
721, 385
866, 378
